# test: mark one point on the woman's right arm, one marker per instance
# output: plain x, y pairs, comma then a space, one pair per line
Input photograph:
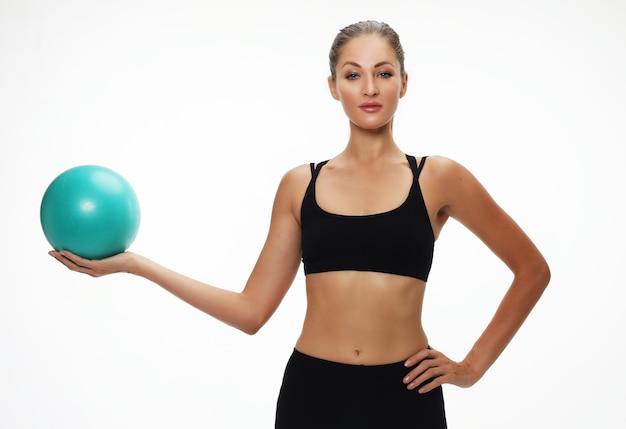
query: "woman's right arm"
268, 283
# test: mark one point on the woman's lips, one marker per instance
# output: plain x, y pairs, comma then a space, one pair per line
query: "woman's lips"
371, 107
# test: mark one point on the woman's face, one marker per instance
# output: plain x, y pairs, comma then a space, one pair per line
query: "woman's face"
369, 82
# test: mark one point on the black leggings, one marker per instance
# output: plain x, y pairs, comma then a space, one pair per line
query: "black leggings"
321, 394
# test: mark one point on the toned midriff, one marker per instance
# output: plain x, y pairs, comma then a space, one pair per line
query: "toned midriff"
362, 318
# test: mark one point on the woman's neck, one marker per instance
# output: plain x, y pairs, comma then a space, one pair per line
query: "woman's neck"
370, 145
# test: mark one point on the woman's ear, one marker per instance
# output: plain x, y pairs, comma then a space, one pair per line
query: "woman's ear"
405, 80
333, 88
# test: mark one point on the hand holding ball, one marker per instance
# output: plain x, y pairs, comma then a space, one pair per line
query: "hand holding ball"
91, 211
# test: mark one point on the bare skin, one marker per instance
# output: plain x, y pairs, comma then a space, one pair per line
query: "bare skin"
364, 317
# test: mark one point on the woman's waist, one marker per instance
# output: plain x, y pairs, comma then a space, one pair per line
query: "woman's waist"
366, 344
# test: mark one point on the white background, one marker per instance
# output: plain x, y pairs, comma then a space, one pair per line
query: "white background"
203, 105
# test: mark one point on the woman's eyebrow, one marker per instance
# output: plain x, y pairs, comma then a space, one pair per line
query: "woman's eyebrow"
352, 63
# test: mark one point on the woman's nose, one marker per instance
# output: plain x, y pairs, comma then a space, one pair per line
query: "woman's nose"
369, 88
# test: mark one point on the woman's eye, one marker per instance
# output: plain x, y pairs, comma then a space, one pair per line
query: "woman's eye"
352, 76
384, 74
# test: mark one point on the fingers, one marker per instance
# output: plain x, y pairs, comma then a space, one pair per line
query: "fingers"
121, 262
66, 259
432, 370
420, 356
75, 262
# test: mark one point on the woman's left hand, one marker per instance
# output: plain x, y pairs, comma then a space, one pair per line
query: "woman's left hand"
432, 369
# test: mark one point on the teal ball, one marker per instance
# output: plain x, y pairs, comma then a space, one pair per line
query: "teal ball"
90, 210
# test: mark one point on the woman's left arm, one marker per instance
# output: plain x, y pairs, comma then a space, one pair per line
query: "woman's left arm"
467, 201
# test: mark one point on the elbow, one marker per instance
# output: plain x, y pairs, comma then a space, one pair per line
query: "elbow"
541, 275
254, 314
544, 273
535, 275
246, 326
547, 275
252, 324
250, 329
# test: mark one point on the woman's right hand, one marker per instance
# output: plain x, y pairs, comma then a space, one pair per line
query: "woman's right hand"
121, 263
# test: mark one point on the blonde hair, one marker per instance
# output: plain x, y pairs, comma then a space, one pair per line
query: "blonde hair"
359, 29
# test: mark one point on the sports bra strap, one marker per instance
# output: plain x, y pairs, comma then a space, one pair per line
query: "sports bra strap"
315, 169
417, 169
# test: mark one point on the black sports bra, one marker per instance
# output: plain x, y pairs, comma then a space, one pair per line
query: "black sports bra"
399, 241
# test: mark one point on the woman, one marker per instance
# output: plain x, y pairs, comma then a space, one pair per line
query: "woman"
364, 223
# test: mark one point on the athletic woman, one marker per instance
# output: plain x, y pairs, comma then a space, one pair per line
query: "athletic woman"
364, 224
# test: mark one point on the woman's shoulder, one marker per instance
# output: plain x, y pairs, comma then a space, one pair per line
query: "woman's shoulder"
441, 161
441, 171
442, 166
298, 174
295, 180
